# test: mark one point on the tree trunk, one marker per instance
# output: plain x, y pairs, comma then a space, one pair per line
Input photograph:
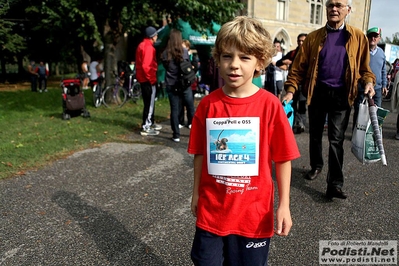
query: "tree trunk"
114, 49
21, 68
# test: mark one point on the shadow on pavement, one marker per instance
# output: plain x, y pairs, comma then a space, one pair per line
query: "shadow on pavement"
116, 243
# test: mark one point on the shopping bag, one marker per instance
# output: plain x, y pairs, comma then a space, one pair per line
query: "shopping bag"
289, 111
367, 142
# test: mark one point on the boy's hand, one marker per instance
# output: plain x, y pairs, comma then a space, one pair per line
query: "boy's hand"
284, 221
194, 204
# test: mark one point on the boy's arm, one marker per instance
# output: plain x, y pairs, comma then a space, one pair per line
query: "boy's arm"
197, 176
283, 214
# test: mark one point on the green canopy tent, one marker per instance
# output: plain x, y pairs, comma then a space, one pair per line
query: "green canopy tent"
195, 37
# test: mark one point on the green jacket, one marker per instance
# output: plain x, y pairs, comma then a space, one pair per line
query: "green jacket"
305, 66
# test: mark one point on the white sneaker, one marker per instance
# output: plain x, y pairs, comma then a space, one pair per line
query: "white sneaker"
45, 90
149, 132
397, 136
189, 126
156, 127
176, 139
40, 91
181, 126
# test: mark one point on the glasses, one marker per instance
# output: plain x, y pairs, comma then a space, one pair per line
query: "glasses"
338, 6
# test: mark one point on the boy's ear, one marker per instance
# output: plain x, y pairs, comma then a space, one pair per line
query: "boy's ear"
259, 66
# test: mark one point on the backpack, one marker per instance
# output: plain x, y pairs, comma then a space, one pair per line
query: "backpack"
187, 75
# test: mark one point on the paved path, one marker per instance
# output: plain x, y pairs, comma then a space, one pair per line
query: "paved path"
129, 204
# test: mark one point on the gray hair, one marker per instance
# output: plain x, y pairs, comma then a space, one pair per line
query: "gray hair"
349, 2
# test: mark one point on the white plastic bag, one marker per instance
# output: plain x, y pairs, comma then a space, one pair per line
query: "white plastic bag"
365, 145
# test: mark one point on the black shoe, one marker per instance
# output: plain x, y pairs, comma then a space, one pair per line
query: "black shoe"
335, 192
312, 174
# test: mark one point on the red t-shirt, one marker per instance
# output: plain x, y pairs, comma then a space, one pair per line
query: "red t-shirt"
238, 136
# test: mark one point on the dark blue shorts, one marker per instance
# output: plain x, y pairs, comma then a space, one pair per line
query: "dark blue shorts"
232, 250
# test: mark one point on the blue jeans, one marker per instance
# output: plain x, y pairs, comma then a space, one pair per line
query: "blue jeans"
175, 100
33, 82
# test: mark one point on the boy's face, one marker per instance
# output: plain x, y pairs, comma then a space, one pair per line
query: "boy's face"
237, 68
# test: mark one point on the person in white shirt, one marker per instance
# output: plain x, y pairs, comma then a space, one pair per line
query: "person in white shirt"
278, 73
95, 69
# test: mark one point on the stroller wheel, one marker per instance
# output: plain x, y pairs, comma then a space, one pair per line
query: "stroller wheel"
66, 116
86, 113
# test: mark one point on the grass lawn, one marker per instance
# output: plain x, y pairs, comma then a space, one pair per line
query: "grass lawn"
32, 132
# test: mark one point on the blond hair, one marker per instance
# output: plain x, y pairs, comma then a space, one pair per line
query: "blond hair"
249, 36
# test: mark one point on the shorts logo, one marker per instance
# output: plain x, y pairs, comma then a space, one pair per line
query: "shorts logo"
257, 245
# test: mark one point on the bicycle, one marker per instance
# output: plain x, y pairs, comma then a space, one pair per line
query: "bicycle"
117, 95
97, 91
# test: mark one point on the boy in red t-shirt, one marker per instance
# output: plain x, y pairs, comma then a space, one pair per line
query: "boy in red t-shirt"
238, 131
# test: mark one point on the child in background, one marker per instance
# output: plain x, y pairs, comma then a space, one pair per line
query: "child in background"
233, 188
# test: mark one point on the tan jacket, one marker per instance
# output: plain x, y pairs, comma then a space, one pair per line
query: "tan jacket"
305, 66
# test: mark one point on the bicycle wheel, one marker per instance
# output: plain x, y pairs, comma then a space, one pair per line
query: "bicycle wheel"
96, 95
114, 96
136, 92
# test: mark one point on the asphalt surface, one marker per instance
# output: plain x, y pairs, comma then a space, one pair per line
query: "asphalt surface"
129, 204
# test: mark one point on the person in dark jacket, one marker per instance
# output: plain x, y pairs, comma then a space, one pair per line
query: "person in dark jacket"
171, 58
299, 103
33, 75
42, 73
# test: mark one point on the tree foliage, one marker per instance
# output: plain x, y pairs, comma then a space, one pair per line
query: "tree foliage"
395, 39
11, 42
58, 30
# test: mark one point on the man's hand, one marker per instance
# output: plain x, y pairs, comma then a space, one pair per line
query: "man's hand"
287, 62
288, 97
369, 89
283, 67
384, 91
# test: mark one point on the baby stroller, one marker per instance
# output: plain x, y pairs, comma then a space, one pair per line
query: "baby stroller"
73, 100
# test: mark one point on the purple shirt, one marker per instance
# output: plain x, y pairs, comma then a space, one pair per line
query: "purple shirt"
333, 60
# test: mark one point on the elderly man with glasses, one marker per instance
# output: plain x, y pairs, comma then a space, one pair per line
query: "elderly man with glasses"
330, 64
